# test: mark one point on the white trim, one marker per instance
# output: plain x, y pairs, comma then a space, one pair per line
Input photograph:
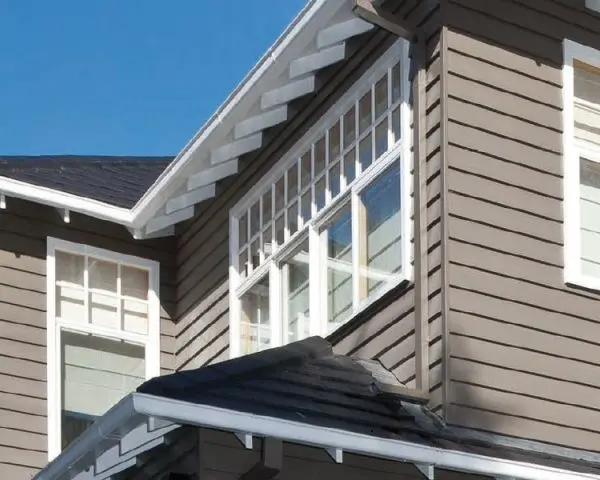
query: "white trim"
571, 208
398, 152
151, 341
82, 453
593, 5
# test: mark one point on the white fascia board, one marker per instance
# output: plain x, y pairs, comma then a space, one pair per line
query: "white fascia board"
81, 453
306, 20
65, 201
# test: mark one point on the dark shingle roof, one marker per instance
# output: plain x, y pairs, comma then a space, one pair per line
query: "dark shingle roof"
307, 382
119, 181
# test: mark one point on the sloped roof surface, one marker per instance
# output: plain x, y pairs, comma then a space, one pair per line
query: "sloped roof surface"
305, 381
116, 180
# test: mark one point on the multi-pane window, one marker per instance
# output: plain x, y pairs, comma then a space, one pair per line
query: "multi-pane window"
325, 233
102, 334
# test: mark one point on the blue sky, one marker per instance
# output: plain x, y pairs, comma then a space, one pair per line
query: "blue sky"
124, 77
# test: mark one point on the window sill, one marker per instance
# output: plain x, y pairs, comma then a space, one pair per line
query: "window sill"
583, 282
368, 310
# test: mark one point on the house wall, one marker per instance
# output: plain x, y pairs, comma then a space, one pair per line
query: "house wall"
386, 331
524, 349
218, 455
23, 230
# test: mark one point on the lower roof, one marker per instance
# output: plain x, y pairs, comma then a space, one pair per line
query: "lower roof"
301, 393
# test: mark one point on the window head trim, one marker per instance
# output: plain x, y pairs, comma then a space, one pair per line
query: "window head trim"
150, 341
573, 275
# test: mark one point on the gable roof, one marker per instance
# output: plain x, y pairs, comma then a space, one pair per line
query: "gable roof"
303, 393
317, 38
115, 180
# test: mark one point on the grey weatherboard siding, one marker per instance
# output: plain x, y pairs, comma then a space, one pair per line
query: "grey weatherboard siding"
524, 349
386, 332
23, 230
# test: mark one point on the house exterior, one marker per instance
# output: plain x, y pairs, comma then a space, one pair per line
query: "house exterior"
414, 181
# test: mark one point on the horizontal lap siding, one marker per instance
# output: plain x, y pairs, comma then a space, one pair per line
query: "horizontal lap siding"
23, 409
203, 250
524, 348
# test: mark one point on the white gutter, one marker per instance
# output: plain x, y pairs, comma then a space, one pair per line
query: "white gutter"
58, 199
292, 431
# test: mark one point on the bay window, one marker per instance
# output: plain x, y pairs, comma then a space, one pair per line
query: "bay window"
103, 334
327, 230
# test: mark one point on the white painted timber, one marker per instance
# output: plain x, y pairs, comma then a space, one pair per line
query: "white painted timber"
2, 201
267, 119
164, 221
213, 174
288, 92
236, 148
337, 454
245, 439
428, 471
65, 213
342, 31
315, 61
593, 4
190, 198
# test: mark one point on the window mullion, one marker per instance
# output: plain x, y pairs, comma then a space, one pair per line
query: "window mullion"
86, 289
275, 304
356, 287
315, 269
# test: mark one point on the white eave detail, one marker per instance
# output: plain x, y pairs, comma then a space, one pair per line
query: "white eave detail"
133, 411
315, 40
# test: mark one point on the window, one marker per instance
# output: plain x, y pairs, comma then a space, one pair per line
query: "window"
327, 230
103, 334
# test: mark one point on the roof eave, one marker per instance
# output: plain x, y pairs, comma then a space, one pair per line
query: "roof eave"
186, 413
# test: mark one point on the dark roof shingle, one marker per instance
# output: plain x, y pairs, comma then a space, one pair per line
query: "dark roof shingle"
115, 180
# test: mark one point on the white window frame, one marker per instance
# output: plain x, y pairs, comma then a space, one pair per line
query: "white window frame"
402, 150
572, 222
150, 341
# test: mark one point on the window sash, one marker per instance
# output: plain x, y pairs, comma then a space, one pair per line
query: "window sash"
56, 325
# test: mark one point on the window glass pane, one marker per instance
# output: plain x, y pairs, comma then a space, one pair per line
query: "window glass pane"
243, 261
255, 328
134, 282
365, 152
350, 166
349, 127
255, 253
293, 218
381, 96
334, 179
338, 238
365, 114
103, 310
280, 230
267, 207
320, 193
334, 142
589, 173
381, 138
587, 103
267, 238
292, 182
396, 83
380, 226
305, 169
103, 275
319, 156
254, 219
135, 316
70, 303
243, 230
396, 124
306, 207
294, 274
69, 268
96, 374
279, 195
